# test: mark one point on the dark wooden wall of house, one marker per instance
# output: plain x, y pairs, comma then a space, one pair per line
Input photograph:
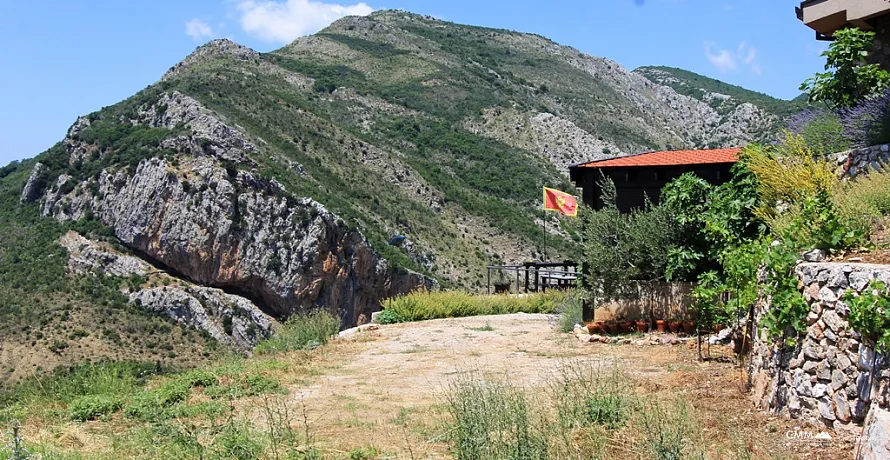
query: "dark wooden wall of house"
634, 184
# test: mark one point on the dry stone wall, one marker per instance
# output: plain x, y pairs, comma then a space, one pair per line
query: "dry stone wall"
854, 162
831, 375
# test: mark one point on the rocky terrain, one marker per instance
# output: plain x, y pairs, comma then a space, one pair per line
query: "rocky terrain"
763, 114
260, 185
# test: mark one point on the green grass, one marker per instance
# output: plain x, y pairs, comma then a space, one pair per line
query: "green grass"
487, 328
301, 332
420, 306
670, 430
865, 201
570, 313
493, 420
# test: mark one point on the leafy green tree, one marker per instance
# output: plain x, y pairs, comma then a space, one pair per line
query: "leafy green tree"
624, 252
847, 79
712, 220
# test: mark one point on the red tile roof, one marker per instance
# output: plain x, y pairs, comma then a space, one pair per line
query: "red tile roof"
668, 158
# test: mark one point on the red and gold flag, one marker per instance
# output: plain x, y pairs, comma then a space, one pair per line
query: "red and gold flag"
561, 202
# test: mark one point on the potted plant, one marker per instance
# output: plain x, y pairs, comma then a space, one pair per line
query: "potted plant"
642, 326
627, 327
611, 327
594, 328
675, 326
661, 326
689, 327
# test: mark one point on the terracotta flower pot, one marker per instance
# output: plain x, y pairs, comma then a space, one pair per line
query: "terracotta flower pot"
689, 327
718, 328
611, 327
594, 328
675, 326
627, 327
661, 326
642, 327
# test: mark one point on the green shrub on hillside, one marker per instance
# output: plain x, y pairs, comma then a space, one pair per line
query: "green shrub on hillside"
390, 317
92, 407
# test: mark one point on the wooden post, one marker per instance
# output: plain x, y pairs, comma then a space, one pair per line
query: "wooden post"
587, 310
526, 277
517, 280
488, 270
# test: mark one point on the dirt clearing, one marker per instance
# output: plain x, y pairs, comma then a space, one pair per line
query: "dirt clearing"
383, 390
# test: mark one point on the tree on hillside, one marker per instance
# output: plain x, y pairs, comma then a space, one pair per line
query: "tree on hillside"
848, 78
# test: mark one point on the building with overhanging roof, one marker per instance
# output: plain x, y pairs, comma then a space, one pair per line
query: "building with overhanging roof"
642, 176
828, 16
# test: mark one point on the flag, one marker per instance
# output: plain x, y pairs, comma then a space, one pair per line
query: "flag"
561, 202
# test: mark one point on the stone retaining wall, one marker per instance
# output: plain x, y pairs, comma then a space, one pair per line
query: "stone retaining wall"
853, 162
829, 376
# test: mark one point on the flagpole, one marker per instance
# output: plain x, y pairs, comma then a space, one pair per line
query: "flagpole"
544, 224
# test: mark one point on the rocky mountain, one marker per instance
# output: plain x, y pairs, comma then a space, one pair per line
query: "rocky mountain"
244, 187
730, 101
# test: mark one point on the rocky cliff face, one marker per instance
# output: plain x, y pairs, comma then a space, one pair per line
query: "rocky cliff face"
222, 227
230, 319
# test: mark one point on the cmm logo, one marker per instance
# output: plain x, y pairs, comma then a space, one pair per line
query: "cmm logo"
807, 436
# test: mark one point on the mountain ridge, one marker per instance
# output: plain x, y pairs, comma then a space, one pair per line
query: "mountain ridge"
280, 177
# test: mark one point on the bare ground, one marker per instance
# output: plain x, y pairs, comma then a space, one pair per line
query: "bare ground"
384, 388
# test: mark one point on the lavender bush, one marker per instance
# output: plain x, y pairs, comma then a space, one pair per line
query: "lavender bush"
821, 129
868, 123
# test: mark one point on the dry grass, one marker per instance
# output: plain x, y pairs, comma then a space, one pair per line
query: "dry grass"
366, 396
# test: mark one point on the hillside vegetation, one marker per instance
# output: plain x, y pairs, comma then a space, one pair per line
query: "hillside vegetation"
393, 124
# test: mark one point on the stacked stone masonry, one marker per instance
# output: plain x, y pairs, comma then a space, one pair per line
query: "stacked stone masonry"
854, 162
830, 375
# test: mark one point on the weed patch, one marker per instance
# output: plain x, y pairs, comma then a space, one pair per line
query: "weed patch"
302, 332
92, 407
420, 306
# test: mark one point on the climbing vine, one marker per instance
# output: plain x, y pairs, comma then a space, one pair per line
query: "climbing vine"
787, 315
870, 313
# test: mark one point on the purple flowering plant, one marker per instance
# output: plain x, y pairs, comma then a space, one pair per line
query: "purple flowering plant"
868, 123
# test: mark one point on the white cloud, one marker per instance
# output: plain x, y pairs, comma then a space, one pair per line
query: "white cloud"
198, 29
729, 61
723, 60
284, 21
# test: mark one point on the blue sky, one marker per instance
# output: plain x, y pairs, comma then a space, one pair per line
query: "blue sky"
60, 59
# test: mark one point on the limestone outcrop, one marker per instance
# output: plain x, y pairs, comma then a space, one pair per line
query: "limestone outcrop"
228, 318
207, 219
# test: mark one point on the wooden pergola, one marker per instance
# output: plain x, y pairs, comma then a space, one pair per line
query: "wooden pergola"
538, 276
